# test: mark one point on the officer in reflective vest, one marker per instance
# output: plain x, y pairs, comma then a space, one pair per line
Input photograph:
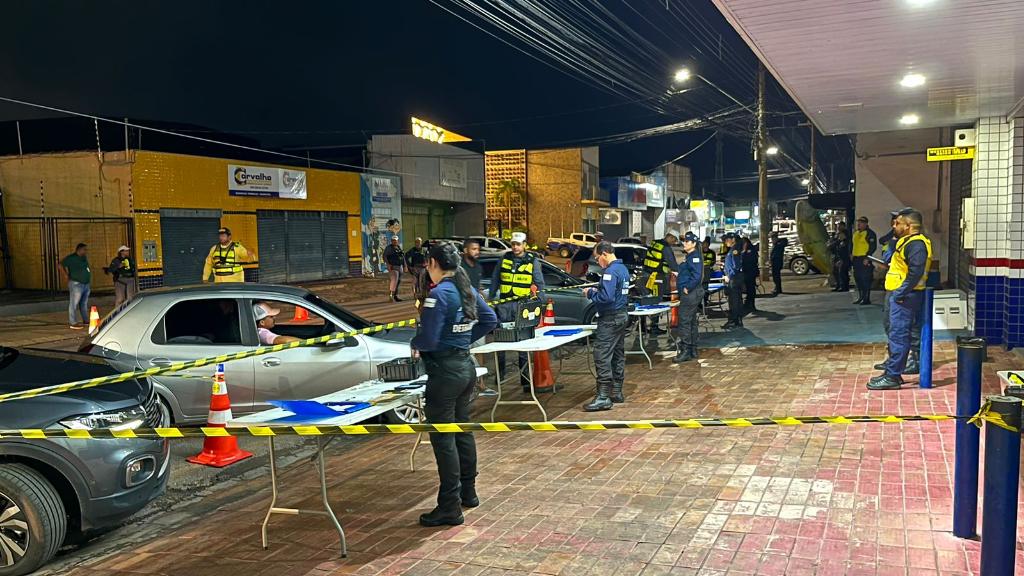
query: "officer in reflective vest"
888, 242
864, 244
904, 283
518, 274
658, 266
225, 260
122, 268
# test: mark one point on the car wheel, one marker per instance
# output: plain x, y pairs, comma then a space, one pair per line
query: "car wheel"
590, 316
32, 520
407, 414
166, 416
564, 252
800, 266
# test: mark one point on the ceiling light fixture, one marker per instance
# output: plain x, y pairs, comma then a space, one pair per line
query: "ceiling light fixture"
771, 150
910, 119
912, 81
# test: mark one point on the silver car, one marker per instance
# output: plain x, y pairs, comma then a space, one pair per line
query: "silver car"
161, 327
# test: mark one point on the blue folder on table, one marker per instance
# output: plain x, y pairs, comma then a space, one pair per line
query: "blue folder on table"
651, 306
309, 410
566, 332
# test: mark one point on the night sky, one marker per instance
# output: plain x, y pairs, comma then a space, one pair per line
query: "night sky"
314, 74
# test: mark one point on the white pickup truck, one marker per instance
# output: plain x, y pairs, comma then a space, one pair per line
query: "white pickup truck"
565, 247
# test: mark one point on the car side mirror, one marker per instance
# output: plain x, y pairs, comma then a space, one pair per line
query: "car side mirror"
346, 342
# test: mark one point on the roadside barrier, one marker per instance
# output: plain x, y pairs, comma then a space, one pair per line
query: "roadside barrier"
260, 351
556, 426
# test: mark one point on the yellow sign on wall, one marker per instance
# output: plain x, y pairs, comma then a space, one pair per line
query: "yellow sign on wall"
950, 153
428, 131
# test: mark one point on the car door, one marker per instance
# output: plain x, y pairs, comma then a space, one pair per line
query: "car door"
570, 305
310, 371
190, 329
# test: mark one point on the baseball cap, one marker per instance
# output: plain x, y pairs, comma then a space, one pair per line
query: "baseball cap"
518, 237
123, 247
224, 230
599, 233
263, 310
729, 235
862, 219
690, 237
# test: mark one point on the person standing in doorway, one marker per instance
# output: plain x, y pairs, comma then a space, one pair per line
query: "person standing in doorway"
611, 301
225, 259
864, 244
453, 316
778, 258
122, 268
74, 269
394, 258
691, 294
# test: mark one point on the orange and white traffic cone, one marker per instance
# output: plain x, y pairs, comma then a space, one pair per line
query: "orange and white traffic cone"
219, 451
94, 320
675, 311
301, 314
543, 380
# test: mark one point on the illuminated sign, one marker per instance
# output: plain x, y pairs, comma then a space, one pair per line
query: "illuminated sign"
950, 153
428, 131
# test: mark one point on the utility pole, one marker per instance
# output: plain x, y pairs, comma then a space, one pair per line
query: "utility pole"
762, 176
811, 187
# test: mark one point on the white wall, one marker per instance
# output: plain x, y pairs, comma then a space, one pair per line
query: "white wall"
892, 173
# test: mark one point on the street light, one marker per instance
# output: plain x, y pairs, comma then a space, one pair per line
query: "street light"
771, 150
682, 75
805, 181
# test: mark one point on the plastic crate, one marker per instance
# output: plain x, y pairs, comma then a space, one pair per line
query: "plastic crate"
514, 334
400, 369
646, 300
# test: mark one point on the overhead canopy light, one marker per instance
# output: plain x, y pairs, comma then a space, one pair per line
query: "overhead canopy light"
771, 150
910, 119
682, 75
912, 81
805, 182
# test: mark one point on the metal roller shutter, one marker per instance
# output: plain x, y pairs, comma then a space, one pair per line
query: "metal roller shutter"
305, 246
272, 230
335, 242
185, 241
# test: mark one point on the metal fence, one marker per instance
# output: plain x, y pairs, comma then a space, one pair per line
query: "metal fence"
36, 245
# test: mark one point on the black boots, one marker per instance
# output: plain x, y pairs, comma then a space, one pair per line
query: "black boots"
439, 517
685, 354
469, 497
394, 297
617, 397
602, 401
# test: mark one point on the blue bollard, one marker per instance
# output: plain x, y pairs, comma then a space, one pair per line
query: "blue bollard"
969, 355
1002, 478
926, 338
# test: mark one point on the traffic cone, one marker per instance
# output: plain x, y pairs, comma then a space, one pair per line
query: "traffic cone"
301, 314
543, 380
94, 320
219, 451
675, 311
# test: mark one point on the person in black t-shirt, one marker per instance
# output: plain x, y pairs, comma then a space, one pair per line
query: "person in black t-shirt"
395, 260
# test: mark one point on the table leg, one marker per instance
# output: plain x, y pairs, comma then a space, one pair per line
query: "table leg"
273, 492
497, 382
640, 337
533, 393
419, 436
323, 493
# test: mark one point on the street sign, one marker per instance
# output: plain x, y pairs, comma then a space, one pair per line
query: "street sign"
950, 153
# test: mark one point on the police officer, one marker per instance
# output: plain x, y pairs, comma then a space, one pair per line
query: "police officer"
453, 315
709, 265
864, 244
733, 279
225, 259
611, 299
691, 293
750, 273
122, 268
658, 266
840, 248
517, 275
904, 281
778, 260
888, 240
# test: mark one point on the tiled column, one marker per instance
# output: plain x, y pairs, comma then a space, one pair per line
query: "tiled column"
998, 189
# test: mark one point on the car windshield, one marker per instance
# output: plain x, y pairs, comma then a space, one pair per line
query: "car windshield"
629, 256
351, 320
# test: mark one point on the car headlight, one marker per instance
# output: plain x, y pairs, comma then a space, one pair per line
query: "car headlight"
127, 419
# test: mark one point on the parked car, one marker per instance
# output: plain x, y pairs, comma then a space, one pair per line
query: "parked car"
161, 327
795, 259
58, 490
565, 247
457, 242
571, 306
491, 246
630, 240
631, 255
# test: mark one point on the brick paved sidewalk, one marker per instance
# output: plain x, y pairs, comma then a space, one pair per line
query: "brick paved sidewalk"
856, 499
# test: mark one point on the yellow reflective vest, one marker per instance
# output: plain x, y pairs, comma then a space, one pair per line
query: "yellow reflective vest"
860, 243
654, 260
226, 263
516, 280
898, 268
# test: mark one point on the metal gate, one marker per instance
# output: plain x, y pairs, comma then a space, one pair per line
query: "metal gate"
36, 245
302, 246
186, 237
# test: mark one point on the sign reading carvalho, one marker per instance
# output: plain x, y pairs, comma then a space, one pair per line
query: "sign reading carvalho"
950, 153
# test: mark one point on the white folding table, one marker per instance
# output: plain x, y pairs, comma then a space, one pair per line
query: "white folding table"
377, 394
647, 312
539, 343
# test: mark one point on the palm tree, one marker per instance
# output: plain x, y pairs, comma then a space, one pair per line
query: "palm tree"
509, 191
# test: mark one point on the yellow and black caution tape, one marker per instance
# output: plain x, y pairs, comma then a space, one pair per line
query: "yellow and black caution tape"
179, 366
986, 414
556, 426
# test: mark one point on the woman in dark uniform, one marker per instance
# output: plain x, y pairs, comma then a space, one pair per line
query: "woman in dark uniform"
452, 316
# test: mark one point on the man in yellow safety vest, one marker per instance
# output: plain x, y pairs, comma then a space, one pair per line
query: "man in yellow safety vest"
225, 260
864, 244
517, 275
905, 282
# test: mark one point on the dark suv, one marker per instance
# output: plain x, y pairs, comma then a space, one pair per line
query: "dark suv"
56, 490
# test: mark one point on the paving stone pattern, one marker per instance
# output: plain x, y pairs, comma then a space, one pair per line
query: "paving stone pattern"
843, 499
